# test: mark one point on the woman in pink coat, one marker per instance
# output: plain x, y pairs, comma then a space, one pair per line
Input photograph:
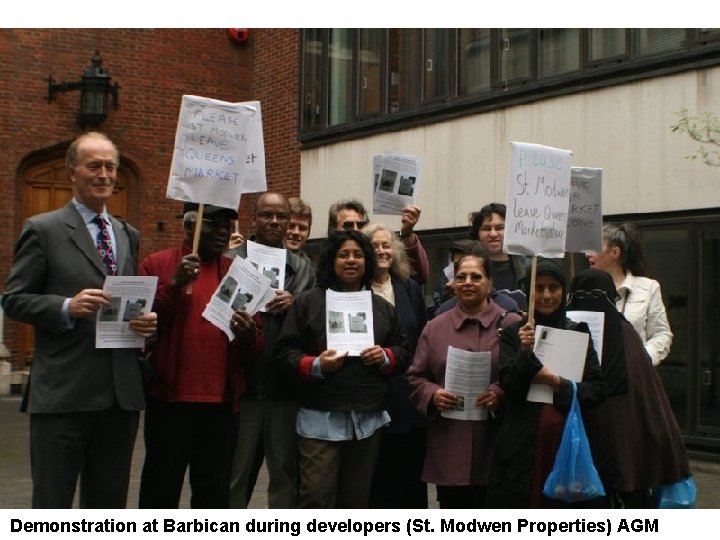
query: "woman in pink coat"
458, 451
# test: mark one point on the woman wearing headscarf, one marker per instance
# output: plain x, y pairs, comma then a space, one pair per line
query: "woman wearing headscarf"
397, 482
634, 437
459, 451
530, 432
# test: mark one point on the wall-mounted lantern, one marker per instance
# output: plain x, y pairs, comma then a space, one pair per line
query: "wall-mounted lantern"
95, 90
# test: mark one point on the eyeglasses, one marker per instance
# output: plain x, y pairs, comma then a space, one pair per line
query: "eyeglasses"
350, 225
280, 216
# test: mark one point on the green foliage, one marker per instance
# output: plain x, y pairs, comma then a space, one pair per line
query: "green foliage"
704, 129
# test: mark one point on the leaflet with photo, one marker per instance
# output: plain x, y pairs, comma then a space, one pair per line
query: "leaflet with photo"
563, 352
130, 297
244, 288
397, 183
270, 261
467, 375
349, 321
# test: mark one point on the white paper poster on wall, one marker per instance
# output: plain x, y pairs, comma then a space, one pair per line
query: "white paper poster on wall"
538, 199
584, 229
211, 152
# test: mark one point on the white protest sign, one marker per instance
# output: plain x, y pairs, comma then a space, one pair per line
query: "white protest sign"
538, 198
584, 228
210, 154
254, 179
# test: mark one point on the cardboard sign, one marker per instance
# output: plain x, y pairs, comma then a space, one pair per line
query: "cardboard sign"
210, 156
538, 198
584, 228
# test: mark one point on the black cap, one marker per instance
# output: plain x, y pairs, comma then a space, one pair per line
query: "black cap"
210, 210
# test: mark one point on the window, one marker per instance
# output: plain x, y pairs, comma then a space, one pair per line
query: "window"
363, 80
404, 69
312, 79
474, 60
606, 43
436, 83
559, 51
514, 55
659, 40
370, 75
340, 77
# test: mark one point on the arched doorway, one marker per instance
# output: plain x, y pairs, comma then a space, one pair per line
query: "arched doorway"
46, 187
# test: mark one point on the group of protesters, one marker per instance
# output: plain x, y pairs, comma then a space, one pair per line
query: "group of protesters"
334, 430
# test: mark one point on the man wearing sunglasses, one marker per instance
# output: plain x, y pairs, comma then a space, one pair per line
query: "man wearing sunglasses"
350, 214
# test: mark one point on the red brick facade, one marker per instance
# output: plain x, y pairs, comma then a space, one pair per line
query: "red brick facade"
154, 69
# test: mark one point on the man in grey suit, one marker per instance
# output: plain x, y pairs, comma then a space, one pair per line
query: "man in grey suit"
83, 402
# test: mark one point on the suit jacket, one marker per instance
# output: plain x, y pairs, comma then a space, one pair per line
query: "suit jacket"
54, 259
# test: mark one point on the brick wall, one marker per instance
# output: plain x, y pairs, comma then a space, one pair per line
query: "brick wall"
154, 68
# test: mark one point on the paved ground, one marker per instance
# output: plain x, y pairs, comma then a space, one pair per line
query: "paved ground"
15, 486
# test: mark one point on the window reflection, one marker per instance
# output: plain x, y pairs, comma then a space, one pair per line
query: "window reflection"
340, 76
559, 51
370, 71
403, 55
474, 60
514, 55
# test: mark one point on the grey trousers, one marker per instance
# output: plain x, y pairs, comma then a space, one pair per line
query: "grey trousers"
266, 429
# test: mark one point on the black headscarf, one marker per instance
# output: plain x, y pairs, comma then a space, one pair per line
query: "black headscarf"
613, 357
552, 268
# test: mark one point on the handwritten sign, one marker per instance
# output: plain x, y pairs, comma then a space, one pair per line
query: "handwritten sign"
210, 154
538, 198
584, 228
254, 179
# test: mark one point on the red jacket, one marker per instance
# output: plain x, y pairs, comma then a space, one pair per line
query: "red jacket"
193, 359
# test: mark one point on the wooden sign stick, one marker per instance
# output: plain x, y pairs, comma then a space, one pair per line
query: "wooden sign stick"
531, 301
196, 238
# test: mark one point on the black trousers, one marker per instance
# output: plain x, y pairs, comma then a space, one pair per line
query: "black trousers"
200, 436
396, 481
95, 446
460, 497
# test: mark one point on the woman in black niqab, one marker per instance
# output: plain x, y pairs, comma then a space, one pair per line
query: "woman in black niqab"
634, 437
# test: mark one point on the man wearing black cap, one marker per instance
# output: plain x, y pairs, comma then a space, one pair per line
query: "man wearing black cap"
192, 400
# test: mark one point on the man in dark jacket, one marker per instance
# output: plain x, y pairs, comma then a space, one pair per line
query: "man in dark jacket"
266, 428
84, 402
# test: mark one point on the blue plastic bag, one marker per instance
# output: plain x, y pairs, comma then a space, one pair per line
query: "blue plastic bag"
574, 477
681, 494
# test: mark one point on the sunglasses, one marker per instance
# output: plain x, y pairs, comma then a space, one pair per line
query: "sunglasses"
350, 225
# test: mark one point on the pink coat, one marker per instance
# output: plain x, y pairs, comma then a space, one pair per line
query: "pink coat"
458, 451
